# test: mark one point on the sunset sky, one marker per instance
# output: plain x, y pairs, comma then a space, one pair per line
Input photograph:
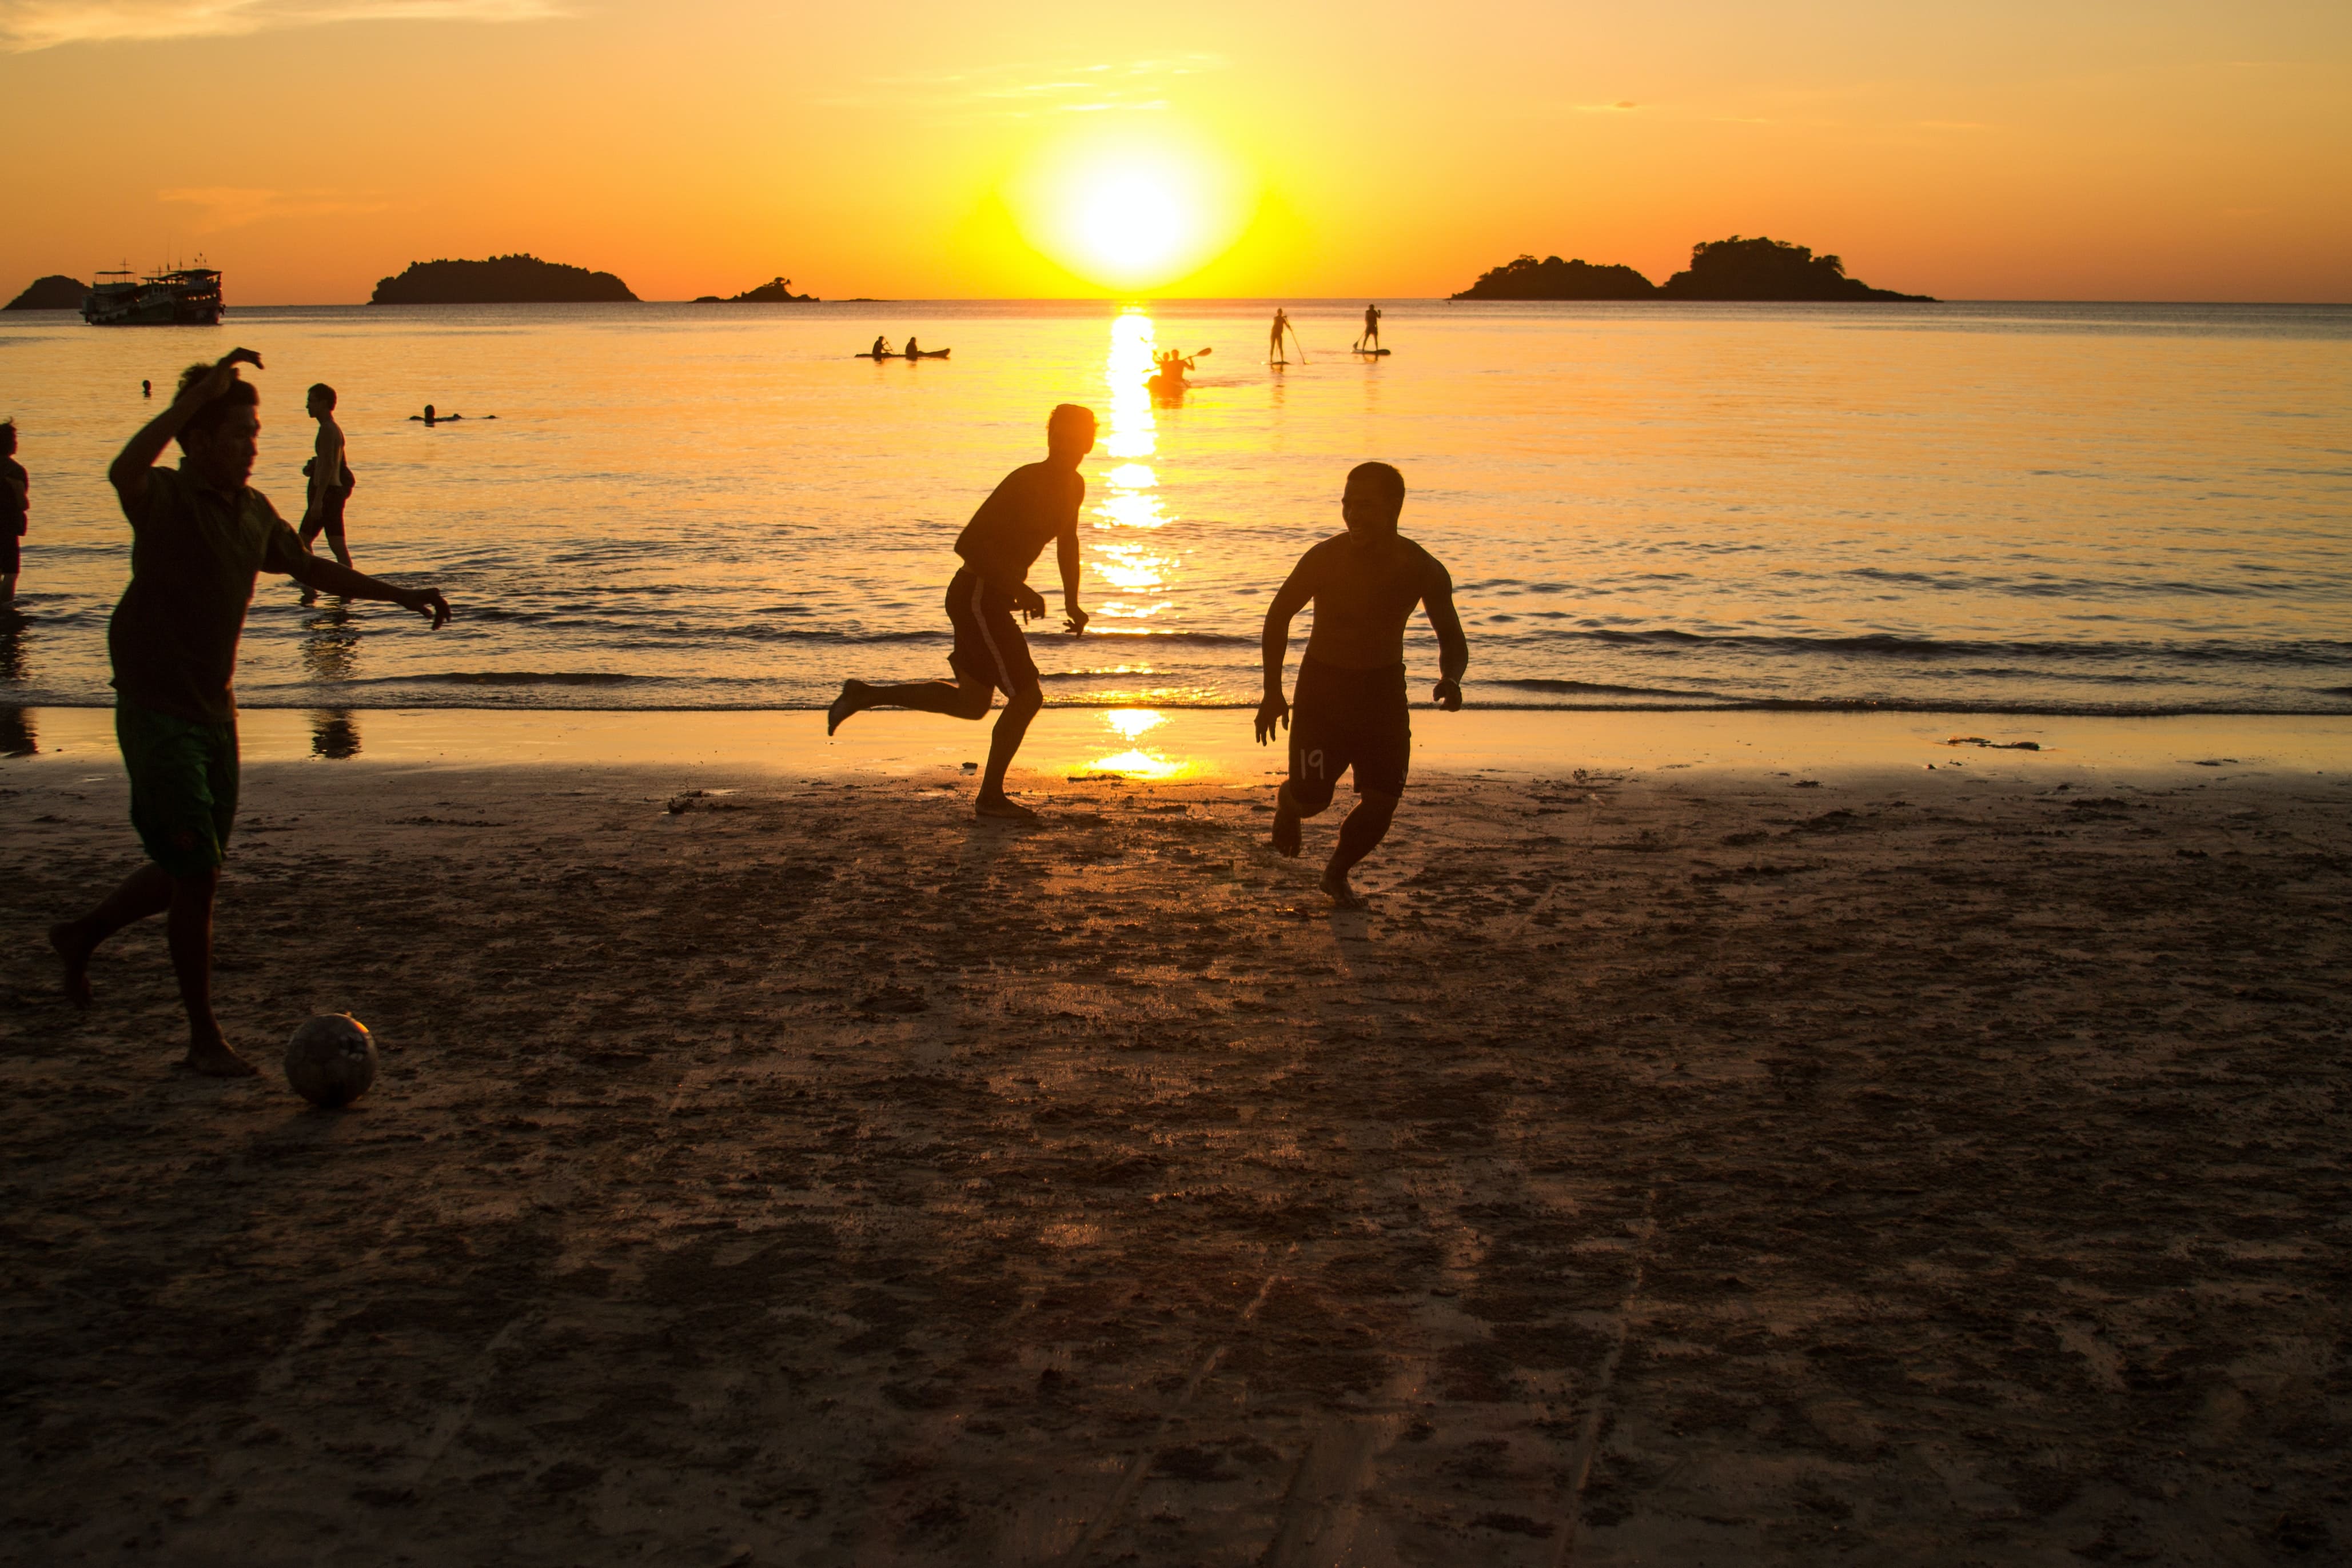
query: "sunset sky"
915, 148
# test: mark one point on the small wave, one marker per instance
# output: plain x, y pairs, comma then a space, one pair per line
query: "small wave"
1592, 689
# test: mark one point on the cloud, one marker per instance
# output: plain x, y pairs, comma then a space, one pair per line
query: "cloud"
26, 25
233, 207
1019, 91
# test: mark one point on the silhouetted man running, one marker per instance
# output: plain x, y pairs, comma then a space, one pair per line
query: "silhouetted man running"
1036, 503
1351, 711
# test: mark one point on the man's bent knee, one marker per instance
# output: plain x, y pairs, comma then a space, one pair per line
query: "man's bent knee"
1308, 797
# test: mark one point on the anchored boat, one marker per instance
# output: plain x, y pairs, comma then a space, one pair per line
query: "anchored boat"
184, 297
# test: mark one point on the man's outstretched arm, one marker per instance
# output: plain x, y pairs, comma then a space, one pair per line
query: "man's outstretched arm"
333, 577
1274, 643
1452, 647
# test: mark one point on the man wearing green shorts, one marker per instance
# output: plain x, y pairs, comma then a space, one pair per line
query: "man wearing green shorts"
198, 537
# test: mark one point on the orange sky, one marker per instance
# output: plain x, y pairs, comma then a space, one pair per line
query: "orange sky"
2000, 150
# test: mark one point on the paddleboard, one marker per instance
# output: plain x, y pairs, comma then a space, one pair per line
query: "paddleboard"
1374, 352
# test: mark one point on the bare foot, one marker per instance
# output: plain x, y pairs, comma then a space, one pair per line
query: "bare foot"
1001, 809
845, 705
213, 1059
1285, 825
1335, 883
74, 953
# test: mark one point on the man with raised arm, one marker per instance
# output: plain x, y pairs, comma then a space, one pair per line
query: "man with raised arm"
1036, 503
1351, 711
198, 537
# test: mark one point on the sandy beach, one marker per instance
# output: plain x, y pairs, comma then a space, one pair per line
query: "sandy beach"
1697, 1164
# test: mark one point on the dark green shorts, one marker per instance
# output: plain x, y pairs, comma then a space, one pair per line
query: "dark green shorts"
183, 787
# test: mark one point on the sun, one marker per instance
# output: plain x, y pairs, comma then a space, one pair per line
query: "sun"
1130, 211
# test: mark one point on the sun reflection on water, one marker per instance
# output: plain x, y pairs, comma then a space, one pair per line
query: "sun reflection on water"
1128, 506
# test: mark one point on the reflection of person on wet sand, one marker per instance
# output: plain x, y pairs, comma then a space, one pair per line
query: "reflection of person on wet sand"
1351, 709
1036, 503
198, 536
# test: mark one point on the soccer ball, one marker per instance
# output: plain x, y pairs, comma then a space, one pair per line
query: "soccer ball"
331, 1061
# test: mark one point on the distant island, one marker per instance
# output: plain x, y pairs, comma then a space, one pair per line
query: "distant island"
55, 292
1756, 271
500, 280
776, 291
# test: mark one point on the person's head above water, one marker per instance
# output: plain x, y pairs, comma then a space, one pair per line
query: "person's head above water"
1070, 433
222, 437
1372, 502
321, 399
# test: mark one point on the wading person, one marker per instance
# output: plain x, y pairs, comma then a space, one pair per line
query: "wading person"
329, 474
198, 536
1038, 502
1350, 707
15, 507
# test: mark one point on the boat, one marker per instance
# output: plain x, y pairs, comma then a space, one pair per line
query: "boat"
1168, 386
918, 354
184, 297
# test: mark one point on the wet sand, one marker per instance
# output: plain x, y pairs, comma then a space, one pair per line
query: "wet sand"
1674, 1166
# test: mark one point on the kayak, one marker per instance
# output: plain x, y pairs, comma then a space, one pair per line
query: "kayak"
1164, 385
918, 354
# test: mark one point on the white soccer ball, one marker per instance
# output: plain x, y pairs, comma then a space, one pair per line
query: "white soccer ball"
331, 1061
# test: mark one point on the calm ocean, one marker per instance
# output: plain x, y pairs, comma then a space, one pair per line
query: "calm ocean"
1996, 508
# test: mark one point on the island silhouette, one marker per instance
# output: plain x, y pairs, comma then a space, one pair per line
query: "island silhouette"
500, 280
1758, 269
55, 292
776, 291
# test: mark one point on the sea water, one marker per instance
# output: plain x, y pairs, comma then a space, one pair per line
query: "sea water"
1996, 508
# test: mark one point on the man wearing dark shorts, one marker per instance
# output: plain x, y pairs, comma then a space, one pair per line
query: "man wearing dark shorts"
328, 475
1038, 502
1351, 709
198, 536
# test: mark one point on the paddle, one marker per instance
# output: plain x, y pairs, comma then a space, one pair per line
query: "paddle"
1294, 339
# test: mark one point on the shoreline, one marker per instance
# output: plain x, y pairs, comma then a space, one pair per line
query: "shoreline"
1146, 745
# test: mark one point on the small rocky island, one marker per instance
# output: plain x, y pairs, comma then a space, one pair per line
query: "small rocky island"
1756, 271
500, 280
776, 291
55, 292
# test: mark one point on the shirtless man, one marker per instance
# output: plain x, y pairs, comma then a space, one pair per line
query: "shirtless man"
1036, 503
16, 506
1351, 704
1372, 337
330, 481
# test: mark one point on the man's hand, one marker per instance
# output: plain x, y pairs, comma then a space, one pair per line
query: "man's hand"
1272, 715
1447, 695
426, 601
216, 379
1029, 601
1076, 618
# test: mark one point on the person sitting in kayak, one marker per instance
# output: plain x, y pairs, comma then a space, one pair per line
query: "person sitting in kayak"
913, 352
1173, 364
881, 349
